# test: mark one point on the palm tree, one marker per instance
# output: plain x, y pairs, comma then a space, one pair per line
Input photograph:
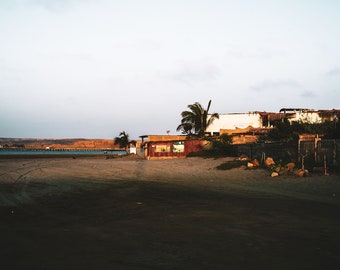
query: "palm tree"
123, 140
196, 120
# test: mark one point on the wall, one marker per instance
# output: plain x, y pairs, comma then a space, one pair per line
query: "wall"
165, 137
306, 117
236, 120
172, 149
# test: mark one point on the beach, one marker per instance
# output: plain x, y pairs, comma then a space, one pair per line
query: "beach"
131, 213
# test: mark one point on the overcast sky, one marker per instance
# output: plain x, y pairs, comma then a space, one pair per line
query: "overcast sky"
93, 68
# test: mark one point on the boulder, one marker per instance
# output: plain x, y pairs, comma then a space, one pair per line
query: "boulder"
300, 172
269, 162
243, 158
290, 167
256, 163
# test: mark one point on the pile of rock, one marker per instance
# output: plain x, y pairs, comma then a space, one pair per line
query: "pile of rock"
278, 169
275, 168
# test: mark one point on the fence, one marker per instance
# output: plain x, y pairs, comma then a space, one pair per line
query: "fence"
278, 151
321, 151
314, 152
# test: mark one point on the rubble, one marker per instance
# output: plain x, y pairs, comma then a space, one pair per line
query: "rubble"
269, 162
274, 174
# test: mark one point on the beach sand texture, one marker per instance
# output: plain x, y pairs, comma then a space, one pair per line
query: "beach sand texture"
130, 213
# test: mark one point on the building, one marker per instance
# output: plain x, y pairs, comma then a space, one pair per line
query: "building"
169, 146
233, 121
310, 115
264, 120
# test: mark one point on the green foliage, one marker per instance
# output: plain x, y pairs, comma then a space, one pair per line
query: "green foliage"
288, 132
226, 139
122, 140
220, 147
196, 120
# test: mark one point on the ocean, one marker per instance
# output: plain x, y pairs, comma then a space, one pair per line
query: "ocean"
60, 152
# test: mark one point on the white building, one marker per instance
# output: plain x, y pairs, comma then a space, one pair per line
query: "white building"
235, 121
302, 115
258, 120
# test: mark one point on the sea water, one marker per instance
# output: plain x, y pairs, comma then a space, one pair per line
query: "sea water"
60, 152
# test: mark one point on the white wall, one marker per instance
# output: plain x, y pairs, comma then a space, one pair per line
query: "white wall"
236, 120
307, 117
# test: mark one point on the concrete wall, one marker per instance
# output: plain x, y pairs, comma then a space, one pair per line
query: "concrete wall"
306, 117
236, 120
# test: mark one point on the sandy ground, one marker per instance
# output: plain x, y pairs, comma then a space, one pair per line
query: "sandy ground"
130, 213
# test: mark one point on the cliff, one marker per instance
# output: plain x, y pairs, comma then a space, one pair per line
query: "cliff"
28, 143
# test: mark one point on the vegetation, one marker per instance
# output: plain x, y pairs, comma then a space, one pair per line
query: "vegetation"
195, 121
219, 147
286, 131
123, 140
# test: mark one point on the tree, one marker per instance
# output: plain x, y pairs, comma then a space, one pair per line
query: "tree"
196, 120
123, 140
289, 132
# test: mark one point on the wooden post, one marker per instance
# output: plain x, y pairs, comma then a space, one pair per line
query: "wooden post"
334, 152
325, 164
299, 147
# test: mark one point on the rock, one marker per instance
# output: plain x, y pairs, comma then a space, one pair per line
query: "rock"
256, 163
243, 158
269, 162
274, 174
300, 172
290, 167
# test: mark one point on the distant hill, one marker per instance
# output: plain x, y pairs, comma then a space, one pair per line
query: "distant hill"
76, 143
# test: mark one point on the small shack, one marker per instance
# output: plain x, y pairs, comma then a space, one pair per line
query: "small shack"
171, 149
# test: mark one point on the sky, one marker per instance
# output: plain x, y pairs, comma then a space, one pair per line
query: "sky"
94, 68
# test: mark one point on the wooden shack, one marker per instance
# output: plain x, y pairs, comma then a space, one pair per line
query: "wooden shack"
172, 148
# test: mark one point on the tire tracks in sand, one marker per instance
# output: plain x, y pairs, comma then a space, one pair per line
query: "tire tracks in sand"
18, 181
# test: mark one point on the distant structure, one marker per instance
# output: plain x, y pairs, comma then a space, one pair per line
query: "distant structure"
310, 115
243, 127
235, 121
169, 146
259, 122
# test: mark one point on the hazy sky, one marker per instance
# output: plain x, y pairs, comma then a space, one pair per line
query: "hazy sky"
92, 68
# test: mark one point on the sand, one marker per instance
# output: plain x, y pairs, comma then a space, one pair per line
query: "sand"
62, 174
130, 213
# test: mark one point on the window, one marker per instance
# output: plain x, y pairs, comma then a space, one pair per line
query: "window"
162, 148
178, 147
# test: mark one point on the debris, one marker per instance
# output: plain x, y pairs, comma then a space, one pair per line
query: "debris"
269, 162
256, 163
243, 158
301, 172
290, 167
274, 174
